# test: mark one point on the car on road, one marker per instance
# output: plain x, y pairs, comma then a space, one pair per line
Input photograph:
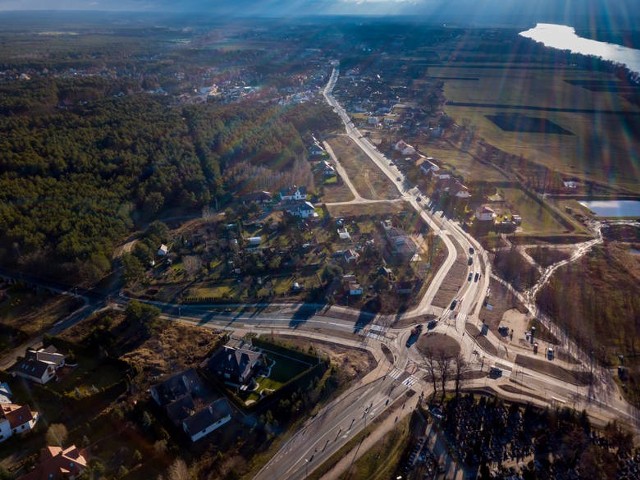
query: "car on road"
471, 250
550, 353
398, 179
436, 412
495, 372
418, 199
432, 324
453, 304
470, 261
470, 276
476, 277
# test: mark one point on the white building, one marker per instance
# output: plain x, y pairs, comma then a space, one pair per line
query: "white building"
485, 214
207, 420
404, 148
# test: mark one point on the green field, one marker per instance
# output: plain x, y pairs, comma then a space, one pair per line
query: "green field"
462, 163
603, 146
536, 219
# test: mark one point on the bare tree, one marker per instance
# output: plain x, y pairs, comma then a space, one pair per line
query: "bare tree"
178, 470
192, 265
432, 369
443, 362
460, 368
56, 434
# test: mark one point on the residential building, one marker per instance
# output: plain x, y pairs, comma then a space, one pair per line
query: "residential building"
237, 365
293, 193
300, 208
485, 214
258, 197
343, 234
39, 366
351, 286
350, 256
400, 245
404, 148
328, 169
404, 287
58, 463
207, 420
15, 419
175, 387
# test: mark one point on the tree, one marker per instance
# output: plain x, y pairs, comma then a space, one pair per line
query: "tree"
178, 470
432, 369
444, 368
460, 368
192, 265
133, 269
57, 434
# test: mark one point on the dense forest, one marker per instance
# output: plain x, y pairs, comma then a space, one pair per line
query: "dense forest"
74, 180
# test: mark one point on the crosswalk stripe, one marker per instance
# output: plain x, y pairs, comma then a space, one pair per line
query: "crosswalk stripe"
409, 381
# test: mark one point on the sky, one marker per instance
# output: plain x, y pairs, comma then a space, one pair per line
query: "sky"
615, 13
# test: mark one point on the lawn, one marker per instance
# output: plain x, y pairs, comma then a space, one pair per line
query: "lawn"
366, 177
283, 370
536, 219
367, 209
88, 378
461, 163
601, 145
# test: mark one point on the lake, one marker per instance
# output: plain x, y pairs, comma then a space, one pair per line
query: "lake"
614, 208
564, 37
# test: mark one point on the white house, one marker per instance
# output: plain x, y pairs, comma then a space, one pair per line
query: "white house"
39, 366
207, 420
343, 234
293, 193
404, 148
16, 419
300, 209
485, 214
350, 256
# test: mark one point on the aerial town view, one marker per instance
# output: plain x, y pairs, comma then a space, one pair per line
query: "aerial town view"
336, 239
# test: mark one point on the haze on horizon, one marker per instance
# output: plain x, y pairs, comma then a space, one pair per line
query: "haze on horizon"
602, 14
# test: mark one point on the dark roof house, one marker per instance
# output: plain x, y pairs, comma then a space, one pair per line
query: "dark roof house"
207, 420
175, 387
236, 365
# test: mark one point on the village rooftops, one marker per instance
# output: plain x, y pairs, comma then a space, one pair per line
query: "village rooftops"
208, 419
18, 415
293, 193
58, 464
235, 364
175, 387
180, 409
